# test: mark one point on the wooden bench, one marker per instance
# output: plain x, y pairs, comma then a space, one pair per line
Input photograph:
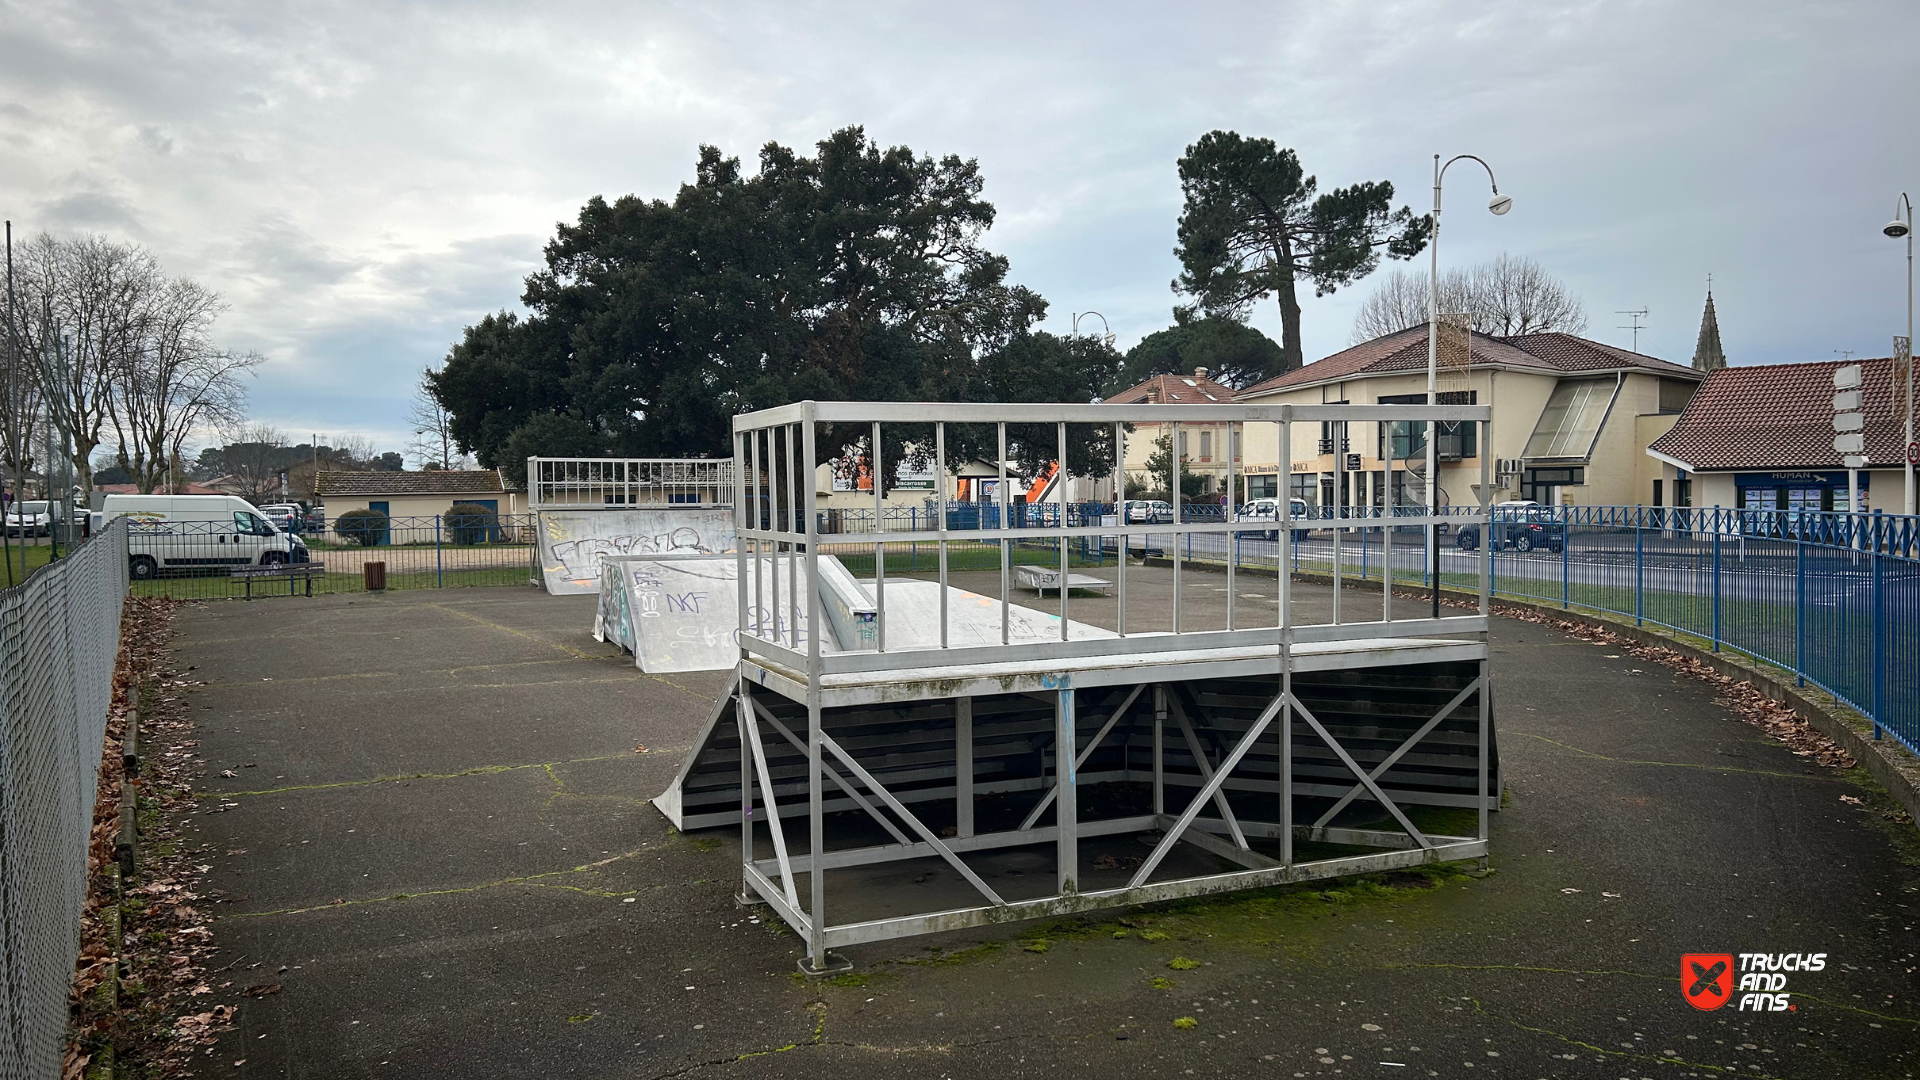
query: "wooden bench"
290, 571
1040, 579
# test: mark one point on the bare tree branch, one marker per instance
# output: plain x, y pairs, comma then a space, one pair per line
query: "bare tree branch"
1506, 296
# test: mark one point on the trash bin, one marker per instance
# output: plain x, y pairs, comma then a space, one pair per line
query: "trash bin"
374, 575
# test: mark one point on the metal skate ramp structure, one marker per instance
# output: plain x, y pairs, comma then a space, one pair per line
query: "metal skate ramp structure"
590, 508
1073, 771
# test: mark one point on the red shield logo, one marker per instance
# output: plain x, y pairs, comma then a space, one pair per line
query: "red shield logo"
1707, 979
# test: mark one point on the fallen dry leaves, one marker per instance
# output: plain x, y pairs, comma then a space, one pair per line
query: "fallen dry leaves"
165, 936
1742, 698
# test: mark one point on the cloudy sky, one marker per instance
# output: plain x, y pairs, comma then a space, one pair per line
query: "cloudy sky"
360, 182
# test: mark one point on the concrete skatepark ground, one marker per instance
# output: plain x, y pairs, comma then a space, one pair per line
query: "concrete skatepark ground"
511, 906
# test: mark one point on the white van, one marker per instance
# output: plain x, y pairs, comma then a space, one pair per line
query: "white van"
198, 533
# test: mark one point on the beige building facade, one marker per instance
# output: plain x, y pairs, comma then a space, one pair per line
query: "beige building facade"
1572, 419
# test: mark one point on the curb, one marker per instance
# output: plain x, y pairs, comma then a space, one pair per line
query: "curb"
1889, 763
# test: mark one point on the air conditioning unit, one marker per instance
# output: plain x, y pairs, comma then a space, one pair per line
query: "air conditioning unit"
1507, 466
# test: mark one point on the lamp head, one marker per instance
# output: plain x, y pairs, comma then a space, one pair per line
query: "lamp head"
1897, 228
1500, 204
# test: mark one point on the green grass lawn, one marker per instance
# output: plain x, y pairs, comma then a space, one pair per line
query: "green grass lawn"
22, 559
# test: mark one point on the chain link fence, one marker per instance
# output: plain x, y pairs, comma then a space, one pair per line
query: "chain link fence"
59, 637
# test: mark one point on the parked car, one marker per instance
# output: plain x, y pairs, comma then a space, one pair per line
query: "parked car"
287, 517
1269, 510
199, 533
1520, 524
1149, 512
33, 517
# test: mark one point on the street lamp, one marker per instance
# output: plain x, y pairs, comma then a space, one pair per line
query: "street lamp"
1106, 331
1498, 205
1902, 229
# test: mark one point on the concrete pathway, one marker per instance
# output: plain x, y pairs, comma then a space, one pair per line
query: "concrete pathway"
436, 841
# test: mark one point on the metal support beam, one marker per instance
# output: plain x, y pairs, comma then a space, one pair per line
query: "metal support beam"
1080, 757
963, 766
1354, 767
1067, 792
774, 827
1201, 761
1213, 785
914, 823
831, 773
1399, 752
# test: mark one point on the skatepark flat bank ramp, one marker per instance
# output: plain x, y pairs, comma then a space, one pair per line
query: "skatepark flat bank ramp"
680, 612
573, 542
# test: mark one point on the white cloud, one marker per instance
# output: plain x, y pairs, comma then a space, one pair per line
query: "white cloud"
361, 181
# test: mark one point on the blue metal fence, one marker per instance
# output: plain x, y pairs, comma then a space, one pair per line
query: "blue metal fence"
1832, 598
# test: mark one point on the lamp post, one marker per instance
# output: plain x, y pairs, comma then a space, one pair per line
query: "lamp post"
1499, 204
1902, 228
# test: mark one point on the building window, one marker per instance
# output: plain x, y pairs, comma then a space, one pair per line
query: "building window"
1656, 493
1183, 444
1457, 440
1675, 393
1262, 487
1304, 486
1206, 446
1234, 437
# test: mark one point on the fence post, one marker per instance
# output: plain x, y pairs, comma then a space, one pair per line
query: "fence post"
1800, 611
1879, 635
1639, 575
1716, 583
1566, 546
439, 567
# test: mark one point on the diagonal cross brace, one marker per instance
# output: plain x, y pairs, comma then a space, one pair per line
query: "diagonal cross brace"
773, 807
1081, 758
913, 822
832, 774
1192, 811
1354, 767
1394, 758
1206, 771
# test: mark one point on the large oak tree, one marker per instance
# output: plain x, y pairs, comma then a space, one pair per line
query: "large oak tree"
858, 273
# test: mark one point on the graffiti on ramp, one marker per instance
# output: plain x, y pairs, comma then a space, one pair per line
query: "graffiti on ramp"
573, 542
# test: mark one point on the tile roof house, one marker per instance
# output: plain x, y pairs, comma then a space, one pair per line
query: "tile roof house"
1572, 419
1763, 436
416, 494
1194, 389
1406, 351
1204, 446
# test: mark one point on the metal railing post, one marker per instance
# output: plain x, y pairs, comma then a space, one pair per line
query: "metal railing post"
1879, 635
1716, 588
1566, 558
1800, 611
1639, 576
439, 568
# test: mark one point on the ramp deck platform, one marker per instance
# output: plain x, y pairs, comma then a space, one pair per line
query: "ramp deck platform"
1011, 764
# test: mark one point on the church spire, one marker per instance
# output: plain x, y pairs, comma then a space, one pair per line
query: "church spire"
1707, 353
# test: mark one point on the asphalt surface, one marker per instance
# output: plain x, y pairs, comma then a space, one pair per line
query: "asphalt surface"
436, 841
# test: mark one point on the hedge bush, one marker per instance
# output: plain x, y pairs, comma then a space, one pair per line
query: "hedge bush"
363, 527
472, 523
